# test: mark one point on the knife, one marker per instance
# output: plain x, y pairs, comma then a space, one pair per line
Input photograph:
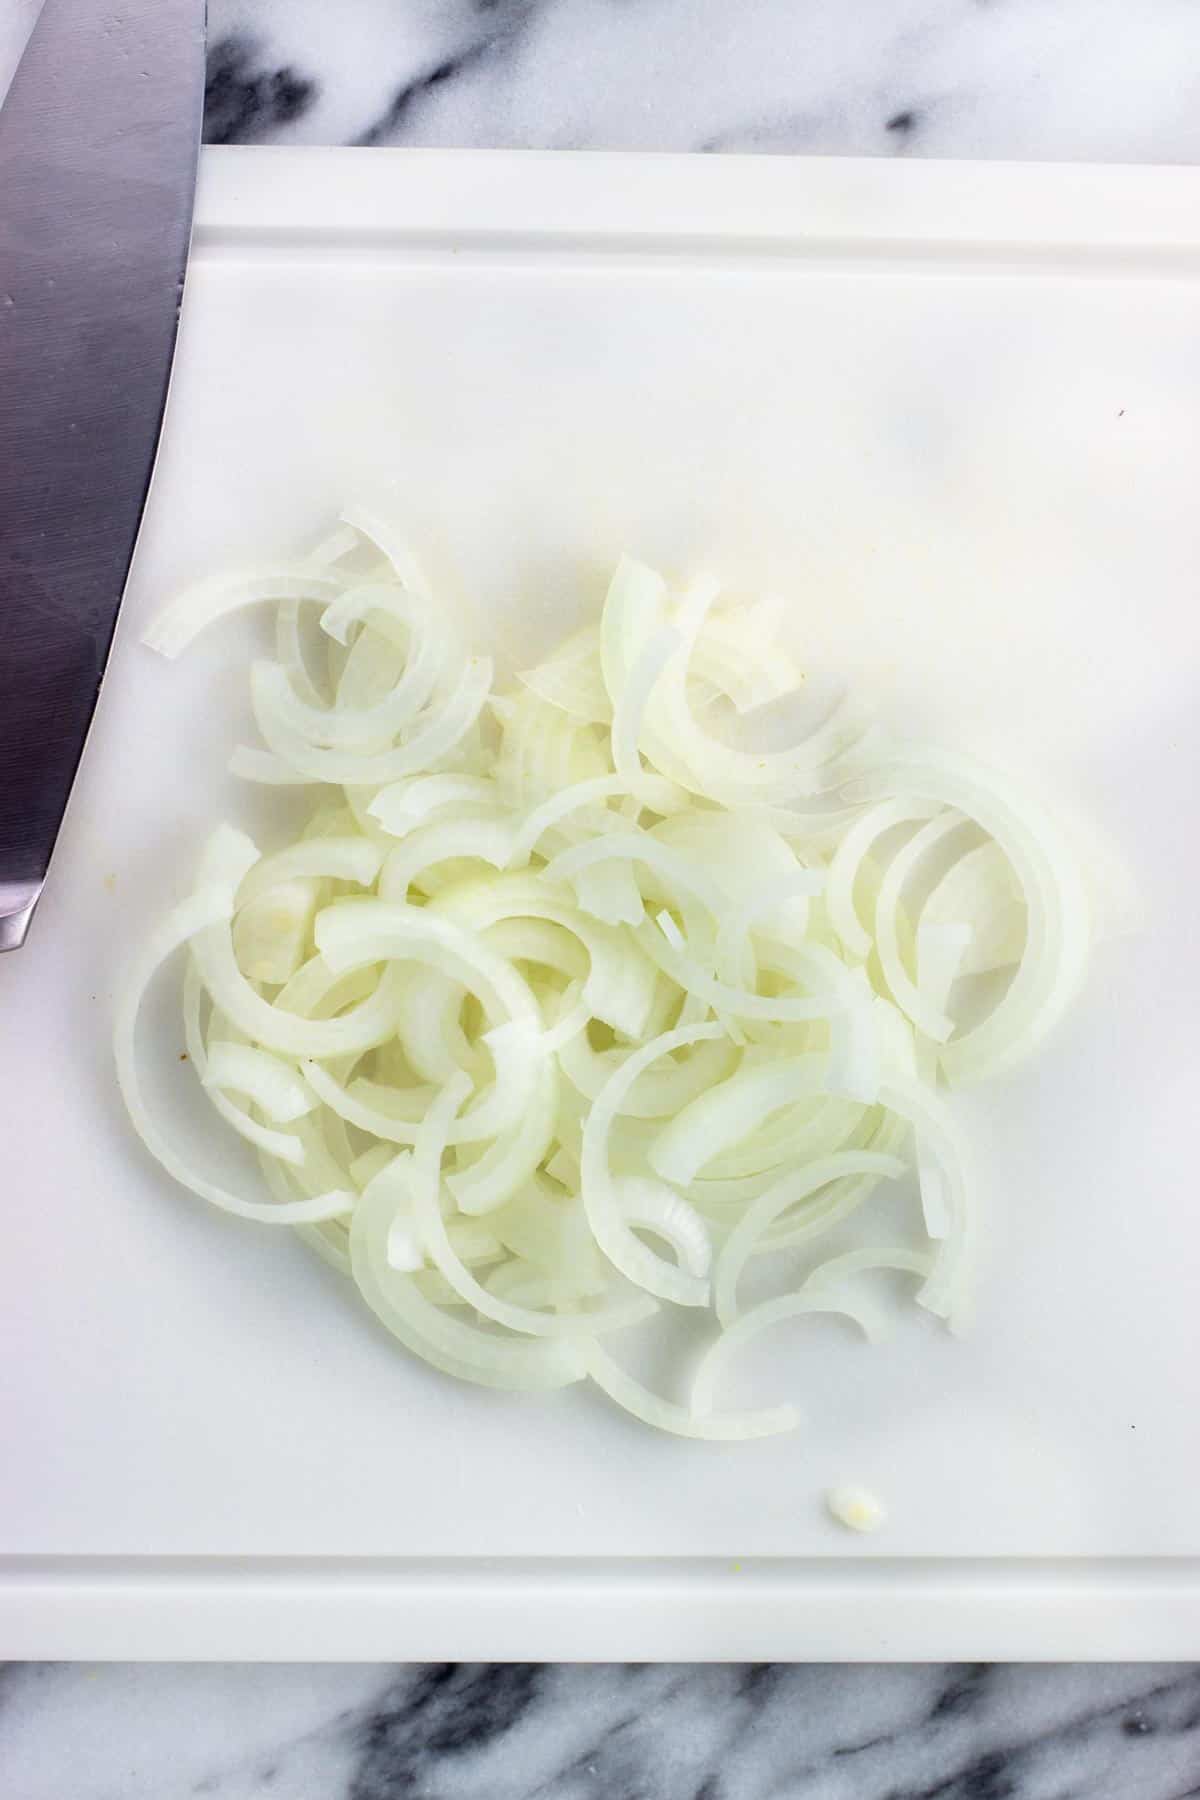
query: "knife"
99, 139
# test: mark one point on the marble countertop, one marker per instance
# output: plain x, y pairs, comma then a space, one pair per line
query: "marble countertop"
463, 1731
1102, 80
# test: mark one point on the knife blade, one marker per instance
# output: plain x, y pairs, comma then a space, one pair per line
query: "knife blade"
99, 140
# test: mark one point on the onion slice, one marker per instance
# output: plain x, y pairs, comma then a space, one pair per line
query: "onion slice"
207, 909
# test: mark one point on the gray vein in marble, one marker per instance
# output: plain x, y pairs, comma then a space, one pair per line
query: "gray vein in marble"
532, 1732
244, 103
501, 25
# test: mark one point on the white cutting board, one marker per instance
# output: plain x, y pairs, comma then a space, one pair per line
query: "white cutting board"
954, 412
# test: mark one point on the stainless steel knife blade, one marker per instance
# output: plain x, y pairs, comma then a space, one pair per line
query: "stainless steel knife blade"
99, 138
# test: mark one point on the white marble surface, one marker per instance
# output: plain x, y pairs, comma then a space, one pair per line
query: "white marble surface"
482, 1732
1106, 80
1109, 80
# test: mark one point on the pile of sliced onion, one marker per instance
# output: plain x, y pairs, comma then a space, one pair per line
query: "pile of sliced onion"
569, 1006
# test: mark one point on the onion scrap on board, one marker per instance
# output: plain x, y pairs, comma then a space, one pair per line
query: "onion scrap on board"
570, 1004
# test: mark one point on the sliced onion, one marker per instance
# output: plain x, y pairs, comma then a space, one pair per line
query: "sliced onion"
733, 951
600, 1197
263, 1079
621, 983
606, 890
654, 1207
468, 840
511, 1158
280, 1146
629, 709
391, 543
369, 1023
179, 624
367, 726
436, 733
658, 1093
423, 1327
650, 791
932, 1020
250, 764
206, 909
543, 751
852, 852
356, 934
939, 1136
572, 679
731, 1427
676, 873
416, 799
1059, 926
728, 1113
761, 1318
328, 858
980, 896
733, 1001
714, 768
564, 988
272, 932
789, 1191
865, 1262
426, 1179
